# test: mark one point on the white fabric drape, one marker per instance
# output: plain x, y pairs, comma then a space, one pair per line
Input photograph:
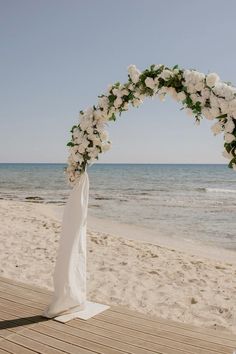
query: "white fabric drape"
70, 270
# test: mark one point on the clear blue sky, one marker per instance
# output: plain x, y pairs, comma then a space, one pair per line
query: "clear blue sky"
58, 55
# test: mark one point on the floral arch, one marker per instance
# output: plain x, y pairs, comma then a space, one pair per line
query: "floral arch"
200, 95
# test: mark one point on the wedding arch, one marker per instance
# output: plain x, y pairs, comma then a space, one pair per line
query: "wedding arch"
200, 96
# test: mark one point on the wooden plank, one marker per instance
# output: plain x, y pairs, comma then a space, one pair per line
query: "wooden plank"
26, 286
168, 327
79, 342
20, 307
25, 293
165, 345
28, 343
189, 327
15, 348
20, 300
118, 330
133, 344
3, 352
164, 333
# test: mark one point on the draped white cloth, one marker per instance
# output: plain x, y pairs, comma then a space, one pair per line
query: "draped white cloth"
70, 270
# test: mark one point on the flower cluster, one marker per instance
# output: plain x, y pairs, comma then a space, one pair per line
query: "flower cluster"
200, 95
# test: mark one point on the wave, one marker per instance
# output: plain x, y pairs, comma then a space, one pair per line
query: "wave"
220, 190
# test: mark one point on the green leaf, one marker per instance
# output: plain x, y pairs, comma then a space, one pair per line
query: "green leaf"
70, 144
222, 116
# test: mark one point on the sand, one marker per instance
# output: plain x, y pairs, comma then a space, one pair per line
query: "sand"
161, 280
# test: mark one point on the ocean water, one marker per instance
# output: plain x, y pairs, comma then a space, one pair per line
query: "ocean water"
190, 202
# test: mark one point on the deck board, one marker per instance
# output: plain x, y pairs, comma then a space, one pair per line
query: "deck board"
115, 331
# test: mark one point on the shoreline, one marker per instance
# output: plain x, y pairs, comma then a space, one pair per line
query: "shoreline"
145, 235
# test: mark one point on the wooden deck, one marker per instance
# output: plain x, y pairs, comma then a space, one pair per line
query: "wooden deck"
117, 330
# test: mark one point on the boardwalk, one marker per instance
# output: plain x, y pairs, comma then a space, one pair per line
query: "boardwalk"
117, 330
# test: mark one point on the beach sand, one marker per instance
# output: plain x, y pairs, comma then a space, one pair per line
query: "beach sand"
184, 282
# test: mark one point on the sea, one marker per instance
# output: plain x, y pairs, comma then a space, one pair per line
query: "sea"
190, 202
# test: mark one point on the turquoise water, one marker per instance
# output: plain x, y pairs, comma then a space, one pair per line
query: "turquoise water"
186, 201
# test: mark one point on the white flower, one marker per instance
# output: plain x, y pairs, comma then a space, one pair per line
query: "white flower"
215, 112
181, 96
134, 73
207, 113
124, 92
118, 102
106, 146
136, 102
229, 138
149, 82
224, 90
116, 92
93, 152
217, 128
229, 126
212, 79
166, 74
194, 97
78, 158
125, 106
232, 106
103, 102
191, 88
131, 87
86, 123
81, 149
104, 135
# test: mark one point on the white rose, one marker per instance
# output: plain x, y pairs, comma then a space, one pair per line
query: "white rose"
124, 92
227, 93
88, 113
81, 149
131, 87
134, 73
181, 96
126, 106
212, 79
103, 102
191, 88
149, 82
117, 92
205, 93
224, 105
136, 102
232, 105
215, 112
229, 138
166, 74
78, 158
229, 126
207, 113
118, 102
217, 128
104, 135
106, 147
86, 123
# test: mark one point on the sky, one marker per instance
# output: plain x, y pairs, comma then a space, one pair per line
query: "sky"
57, 56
